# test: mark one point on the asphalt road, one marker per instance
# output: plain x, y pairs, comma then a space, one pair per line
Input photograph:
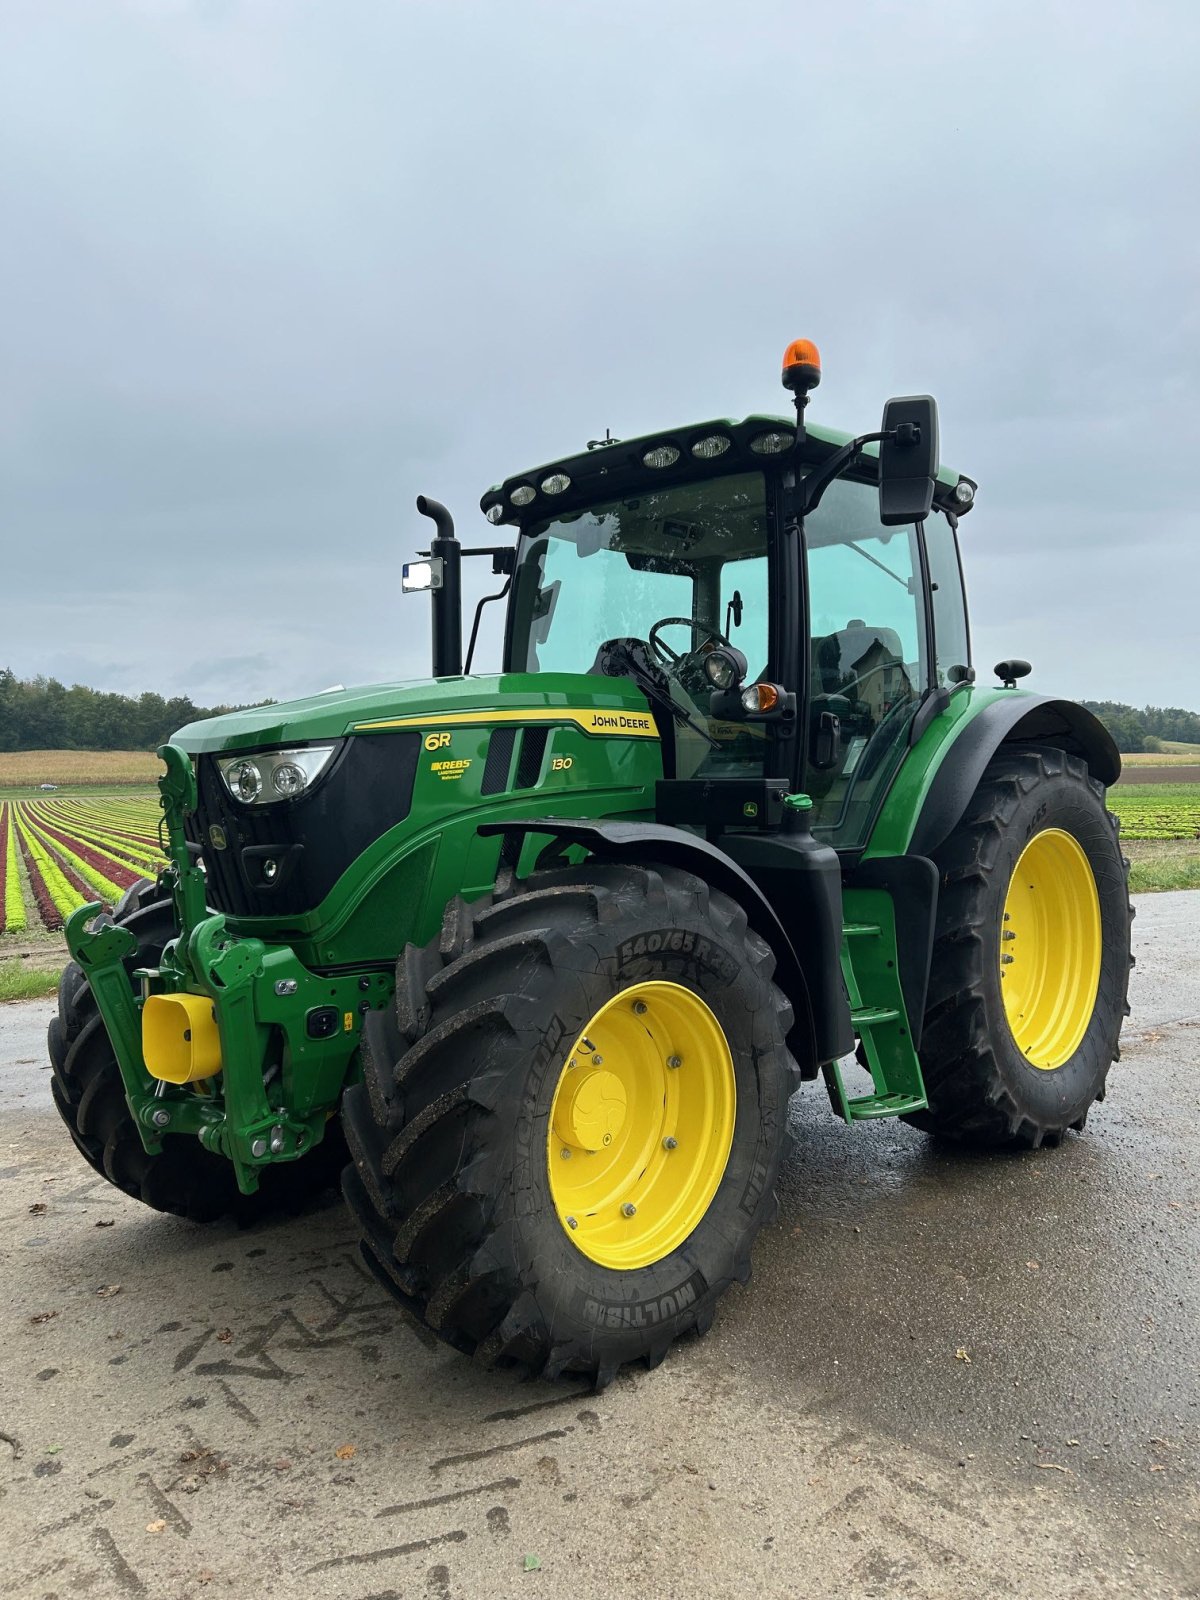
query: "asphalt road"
950, 1376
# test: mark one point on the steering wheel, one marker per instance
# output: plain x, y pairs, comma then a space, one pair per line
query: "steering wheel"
672, 658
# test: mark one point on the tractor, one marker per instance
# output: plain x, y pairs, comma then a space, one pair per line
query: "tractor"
535, 962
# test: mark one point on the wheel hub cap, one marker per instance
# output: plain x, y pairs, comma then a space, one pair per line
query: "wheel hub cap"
590, 1111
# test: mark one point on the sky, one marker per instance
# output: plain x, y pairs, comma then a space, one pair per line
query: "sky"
270, 270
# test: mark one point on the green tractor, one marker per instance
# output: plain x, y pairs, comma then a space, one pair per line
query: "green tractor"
549, 952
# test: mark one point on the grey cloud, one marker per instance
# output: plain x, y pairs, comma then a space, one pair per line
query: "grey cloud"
270, 271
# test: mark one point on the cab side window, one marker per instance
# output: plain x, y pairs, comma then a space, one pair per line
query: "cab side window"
952, 650
868, 666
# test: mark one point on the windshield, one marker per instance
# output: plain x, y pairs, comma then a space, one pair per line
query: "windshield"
616, 569
669, 572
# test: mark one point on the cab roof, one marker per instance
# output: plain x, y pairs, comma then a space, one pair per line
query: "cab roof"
612, 469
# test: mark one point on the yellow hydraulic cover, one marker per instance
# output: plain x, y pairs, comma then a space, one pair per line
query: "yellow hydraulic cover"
180, 1042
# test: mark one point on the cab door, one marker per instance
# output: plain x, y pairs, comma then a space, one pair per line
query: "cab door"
868, 657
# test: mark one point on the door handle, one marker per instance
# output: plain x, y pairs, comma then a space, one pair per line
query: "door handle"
827, 738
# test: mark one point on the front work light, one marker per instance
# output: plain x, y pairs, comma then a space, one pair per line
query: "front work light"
269, 776
773, 443
724, 667
711, 446
418, 575
662, 455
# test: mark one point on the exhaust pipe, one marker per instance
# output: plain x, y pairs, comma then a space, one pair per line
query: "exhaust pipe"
447, 600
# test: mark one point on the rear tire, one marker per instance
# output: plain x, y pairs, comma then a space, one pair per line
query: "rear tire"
185, 1180
982, 1084
450, 1130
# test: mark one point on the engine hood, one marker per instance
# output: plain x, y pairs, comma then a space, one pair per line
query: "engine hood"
337, 713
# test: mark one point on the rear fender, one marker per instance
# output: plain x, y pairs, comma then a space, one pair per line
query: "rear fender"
650, 843
1008, 717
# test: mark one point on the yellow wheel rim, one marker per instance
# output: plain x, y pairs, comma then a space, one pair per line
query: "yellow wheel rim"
641, 1125
1050, 949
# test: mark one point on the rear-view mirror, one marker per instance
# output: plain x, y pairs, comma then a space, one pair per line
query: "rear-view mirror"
908, 459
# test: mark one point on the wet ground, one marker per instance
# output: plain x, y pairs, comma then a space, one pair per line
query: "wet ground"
950, 1376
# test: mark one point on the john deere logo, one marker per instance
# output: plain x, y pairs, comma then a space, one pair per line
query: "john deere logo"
750, 809
216, 837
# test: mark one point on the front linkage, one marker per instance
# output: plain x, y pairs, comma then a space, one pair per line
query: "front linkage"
229, 1039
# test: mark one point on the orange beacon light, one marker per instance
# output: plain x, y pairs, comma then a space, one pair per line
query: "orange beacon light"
801, 366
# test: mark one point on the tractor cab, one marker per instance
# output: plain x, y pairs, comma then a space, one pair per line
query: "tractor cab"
788, 600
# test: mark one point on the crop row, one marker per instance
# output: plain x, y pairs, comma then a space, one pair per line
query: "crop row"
1148, 813
56, 855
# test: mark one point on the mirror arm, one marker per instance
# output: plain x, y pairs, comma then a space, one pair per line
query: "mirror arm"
504, 557
815, 485
485, 600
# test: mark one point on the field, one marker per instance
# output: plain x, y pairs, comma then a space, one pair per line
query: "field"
63, 851
1157, 810
28, 769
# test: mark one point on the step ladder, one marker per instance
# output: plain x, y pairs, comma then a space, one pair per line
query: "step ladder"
871, 974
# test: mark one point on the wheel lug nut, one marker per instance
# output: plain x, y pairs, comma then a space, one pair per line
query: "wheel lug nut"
674, 1061
670, 1144
628, 1209
571, 1223
1007, 959
566, 1155
597, 1061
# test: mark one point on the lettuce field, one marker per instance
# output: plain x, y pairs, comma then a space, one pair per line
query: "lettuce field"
58, 854
1157, 810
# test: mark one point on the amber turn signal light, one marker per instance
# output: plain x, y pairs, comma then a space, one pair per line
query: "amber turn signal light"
760, 697
801, 365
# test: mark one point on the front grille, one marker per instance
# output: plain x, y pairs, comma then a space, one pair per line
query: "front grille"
313, 839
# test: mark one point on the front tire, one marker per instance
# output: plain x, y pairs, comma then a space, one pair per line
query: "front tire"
1031, 959
487, 1071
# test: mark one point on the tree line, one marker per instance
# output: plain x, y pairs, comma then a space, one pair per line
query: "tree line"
1147, 728
43, 714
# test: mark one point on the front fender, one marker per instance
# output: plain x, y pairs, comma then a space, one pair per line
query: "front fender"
648, 843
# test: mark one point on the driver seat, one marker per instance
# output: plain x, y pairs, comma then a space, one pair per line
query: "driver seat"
864, 664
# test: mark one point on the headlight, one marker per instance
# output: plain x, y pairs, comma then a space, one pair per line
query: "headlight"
270, 775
